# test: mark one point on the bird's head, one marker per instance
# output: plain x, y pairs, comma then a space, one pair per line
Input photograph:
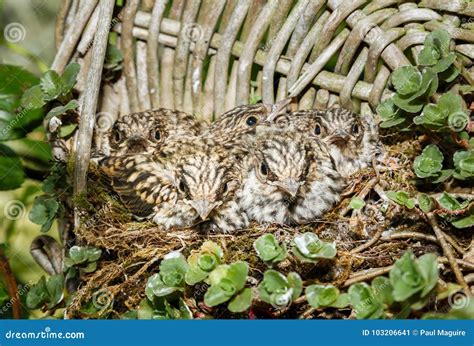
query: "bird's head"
281, 160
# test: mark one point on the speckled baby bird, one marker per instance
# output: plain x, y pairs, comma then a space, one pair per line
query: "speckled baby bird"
144, 132
290, 179
352, 139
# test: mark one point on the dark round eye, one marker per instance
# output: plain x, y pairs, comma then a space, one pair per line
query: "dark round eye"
264, 169
251, 121
117, 136
157, 135
225, 188
355, 129
182, 186
317, 130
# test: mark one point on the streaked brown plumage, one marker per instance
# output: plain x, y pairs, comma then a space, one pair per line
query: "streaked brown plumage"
352, 139
289, 180
144, 132
188, 182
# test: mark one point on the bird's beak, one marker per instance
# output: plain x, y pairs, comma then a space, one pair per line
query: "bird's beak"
137, 143
291, 187
339, 137
203, 208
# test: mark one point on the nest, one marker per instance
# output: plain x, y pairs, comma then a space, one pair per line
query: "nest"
132, 250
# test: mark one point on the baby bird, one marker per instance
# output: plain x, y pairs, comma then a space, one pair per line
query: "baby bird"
242, 121
189, 182
352, 139
290, 179
144, 132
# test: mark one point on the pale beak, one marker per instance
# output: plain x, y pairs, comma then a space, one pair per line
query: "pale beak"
202, 207
290, 186
339, 137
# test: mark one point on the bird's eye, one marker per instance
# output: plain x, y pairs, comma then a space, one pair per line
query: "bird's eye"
355, 129
225, 188
317, 130
182, 186
251, 121
157, 135
117, 136
264, 169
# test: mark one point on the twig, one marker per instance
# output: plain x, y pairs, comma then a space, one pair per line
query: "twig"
91, 94
11, 284
447, 252
128, 55
368, 244
366, 275
363, 193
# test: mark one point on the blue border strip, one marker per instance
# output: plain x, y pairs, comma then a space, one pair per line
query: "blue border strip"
237, 332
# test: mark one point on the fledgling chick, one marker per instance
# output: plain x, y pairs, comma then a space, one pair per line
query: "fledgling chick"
189, 182
144, 132
290, 179
352, 139
242, 121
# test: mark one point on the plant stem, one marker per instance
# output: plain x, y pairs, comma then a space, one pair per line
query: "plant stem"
11, 284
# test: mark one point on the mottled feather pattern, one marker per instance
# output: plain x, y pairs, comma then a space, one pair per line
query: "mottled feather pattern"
250, 164
287, 178
352, 139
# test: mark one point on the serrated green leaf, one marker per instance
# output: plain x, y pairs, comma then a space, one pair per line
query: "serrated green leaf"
57, 111
51, 85
429, 163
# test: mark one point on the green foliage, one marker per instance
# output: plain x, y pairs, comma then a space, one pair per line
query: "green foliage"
47, 293
170, 278
278, 290
320, 296
357, 203
365, 302
82, 259
45, 209
464, 164
10, 169
414, 279
227, 283
162, 309
203, 262
269, 250
429, 163
402, 198
425, 202
4, 297
309, 248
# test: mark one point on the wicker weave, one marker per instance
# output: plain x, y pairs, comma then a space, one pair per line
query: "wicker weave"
201, 56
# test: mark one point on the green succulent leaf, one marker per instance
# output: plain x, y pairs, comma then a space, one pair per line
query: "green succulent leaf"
402, 198
364, 302
406, 80
390, 114
429, 163
464, 221
278, 290
382, 289
450, 202
464, 164
203, 261
309, 248
357, 203
268, 249
242, 301
321, 295
425, 202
